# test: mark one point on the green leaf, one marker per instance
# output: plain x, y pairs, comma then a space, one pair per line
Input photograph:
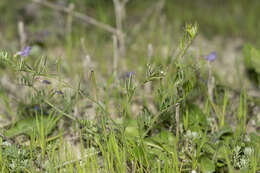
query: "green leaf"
207, 165
247, 56
252, 60
196, 118
255, 59
163, 141
27, 126
224, 132
221, 152
164, 137
24, 126
209, 148
131, 129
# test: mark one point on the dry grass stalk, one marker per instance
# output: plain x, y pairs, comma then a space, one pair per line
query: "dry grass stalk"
120, 15
70, 18
87, 63
116, 53
211, 83
149, 52
22, 34
148, 85
78, 15
154, 9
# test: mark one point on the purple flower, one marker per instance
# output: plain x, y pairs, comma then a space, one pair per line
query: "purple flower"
130, 74
25, 51
59, 92
37, 108
46, 82
211, 57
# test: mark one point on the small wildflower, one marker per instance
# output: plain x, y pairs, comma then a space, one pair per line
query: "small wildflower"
25, 52
247, 139
130, 74
162, 72
6, 143
195, 135
211, 57
46, 82
59, 92
189, 135
36, 108
192, 135
248, 151
193, 171
237, 149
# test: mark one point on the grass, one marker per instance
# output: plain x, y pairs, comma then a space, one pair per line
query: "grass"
158, 113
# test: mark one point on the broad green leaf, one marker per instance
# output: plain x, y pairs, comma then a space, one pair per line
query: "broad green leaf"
247, 56
255, 59
28, 125
224, 131
197, 118
207, 165
132, 129
209, 148
252, 60
24, 126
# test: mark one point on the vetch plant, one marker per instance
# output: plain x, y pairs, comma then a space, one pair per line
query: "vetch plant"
25, 52
111, 124
190, 34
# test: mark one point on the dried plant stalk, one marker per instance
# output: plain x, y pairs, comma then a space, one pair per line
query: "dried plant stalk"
22, 34
120, 15
115, 60
78, 15
211, 83
70, 18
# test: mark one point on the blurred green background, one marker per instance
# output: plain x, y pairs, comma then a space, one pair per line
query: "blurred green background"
222, 24
233, 18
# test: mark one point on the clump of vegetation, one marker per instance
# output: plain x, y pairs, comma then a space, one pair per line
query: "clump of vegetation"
252, 62
160, 112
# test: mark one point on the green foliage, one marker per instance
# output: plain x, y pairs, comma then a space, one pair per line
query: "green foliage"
252, 61
207, 165
146, 143
69, 117
27, 126
16, 158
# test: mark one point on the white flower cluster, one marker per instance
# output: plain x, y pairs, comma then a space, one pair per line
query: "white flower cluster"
192, 135
241, 157
5, 143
